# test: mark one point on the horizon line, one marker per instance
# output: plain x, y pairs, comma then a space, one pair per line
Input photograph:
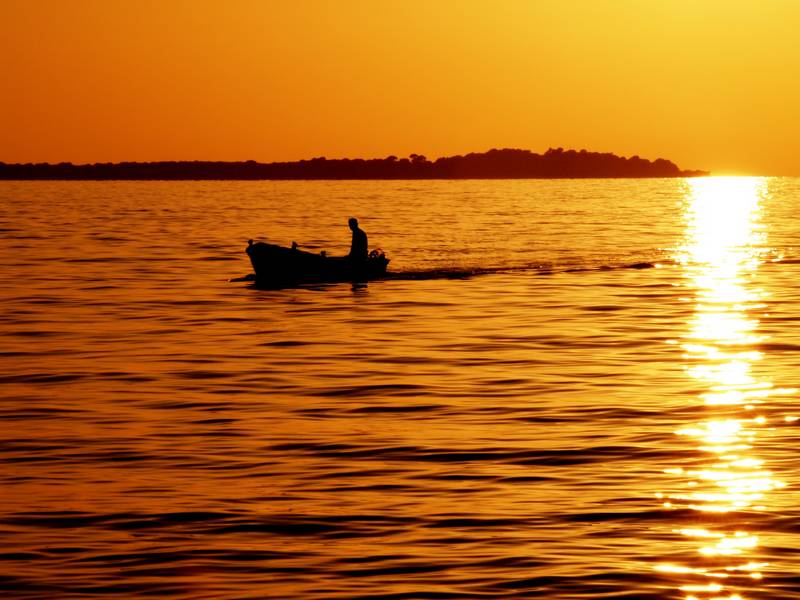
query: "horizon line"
413, 158
324, 157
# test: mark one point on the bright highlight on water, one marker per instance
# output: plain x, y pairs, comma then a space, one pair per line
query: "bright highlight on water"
726, 243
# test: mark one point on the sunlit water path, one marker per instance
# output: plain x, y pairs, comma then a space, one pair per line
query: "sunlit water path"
559, 426
731, 486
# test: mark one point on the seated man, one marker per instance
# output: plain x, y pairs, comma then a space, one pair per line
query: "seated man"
358, 246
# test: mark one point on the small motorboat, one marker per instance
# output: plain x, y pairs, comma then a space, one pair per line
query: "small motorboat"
280, 266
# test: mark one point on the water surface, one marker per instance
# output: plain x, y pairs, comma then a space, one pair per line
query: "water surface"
550, 423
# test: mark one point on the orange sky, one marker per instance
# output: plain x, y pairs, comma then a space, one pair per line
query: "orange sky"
708, 84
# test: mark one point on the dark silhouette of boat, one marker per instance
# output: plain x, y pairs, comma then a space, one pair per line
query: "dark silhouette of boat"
278, 266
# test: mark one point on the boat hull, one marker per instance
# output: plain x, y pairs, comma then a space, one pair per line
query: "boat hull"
279, 266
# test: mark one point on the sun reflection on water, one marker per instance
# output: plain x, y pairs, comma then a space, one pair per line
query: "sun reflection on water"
723, 249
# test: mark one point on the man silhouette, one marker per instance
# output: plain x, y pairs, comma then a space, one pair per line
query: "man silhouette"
358, 246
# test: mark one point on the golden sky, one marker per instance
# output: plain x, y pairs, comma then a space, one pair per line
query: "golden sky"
708, 84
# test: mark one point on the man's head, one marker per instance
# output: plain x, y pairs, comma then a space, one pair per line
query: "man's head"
353, 223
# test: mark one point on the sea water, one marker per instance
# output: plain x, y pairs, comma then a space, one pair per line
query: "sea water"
565, 389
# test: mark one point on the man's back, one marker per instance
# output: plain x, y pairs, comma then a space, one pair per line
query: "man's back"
358, 245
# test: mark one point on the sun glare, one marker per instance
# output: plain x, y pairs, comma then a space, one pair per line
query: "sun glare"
723, 249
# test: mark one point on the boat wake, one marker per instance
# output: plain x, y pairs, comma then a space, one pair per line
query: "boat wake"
468, 272
535, 269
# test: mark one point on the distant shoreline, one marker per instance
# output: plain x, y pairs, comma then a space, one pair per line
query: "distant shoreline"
495, 164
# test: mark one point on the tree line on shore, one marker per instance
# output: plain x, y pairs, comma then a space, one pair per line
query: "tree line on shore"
494, 164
